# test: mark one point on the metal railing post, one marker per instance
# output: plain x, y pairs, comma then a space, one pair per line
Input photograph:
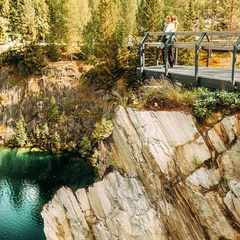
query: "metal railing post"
157, 50
235, 47
142, 53
209, 53
176, 56
197, 48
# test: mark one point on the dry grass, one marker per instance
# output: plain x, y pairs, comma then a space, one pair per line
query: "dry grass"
163, 95
218, 59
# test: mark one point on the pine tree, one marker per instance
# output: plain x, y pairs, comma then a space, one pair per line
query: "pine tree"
125, 23
28, 19
4, 13
42, 17
106, 48
56, 140
58, 31
101, 44
20, 137
189, 18
4, 8
76, 16
3, 29
150, 16
89, 38
53, 112
16, 18
232, 10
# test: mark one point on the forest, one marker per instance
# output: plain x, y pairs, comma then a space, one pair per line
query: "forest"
105, 33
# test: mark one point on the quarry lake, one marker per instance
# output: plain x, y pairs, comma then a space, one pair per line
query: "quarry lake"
28, 180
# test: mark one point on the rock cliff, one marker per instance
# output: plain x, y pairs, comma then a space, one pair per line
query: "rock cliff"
170, 182
78, 106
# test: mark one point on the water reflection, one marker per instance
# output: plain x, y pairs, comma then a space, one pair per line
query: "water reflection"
27, 181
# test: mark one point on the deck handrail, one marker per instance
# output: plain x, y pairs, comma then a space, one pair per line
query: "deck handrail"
209, 45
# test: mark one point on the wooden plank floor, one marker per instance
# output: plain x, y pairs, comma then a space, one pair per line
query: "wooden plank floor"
208, 77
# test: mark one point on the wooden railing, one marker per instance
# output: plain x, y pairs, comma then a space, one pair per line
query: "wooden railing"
209, 41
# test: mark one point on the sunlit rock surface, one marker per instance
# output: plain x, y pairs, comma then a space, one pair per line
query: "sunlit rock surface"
115, 208
174, 183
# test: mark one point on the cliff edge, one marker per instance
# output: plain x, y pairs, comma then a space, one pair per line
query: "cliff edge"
169, 182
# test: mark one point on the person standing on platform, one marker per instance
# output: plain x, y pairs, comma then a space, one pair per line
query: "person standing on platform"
169, 26
175, 21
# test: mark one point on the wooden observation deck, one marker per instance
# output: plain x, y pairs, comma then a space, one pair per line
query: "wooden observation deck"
227, 78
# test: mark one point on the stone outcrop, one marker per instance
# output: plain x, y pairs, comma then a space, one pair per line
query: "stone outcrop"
175, 183
115, 208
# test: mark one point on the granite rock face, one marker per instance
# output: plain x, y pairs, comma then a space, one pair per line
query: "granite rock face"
174, 184
114, 208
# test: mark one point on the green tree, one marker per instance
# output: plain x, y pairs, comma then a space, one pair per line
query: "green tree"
28, 19
232, 10
16, 18
20, 137
89, 38
149, 16
101, 45
56, 140
58, 31
76, 16
125, 22
4, 12
3, 29
106, 48
42, 18
85, 147
189, 17
53, 112
93, 4
45, 132
33, 61
102, 129
4, 8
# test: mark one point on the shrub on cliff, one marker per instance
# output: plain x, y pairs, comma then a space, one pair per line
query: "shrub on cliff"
53, 112
102, 129
207, 102
20, 137
29, 59
203, 103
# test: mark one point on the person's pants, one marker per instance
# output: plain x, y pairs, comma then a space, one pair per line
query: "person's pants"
170, 56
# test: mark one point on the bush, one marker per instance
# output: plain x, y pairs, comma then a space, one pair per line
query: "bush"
207, 102
29, 60
20, 137
53, 112
85, 147
203, 101
33, 61
102, 129
54, 52
13, 56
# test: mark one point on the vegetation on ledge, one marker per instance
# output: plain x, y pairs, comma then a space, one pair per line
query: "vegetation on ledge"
208, 106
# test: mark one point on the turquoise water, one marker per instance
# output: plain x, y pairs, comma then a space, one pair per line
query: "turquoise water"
28, 180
